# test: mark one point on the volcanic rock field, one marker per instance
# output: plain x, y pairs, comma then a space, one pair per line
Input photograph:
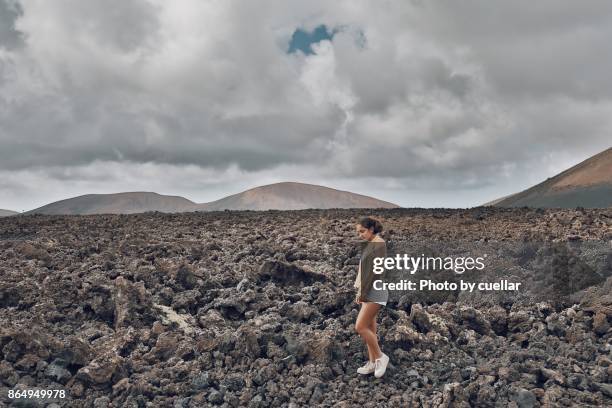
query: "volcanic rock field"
256, 309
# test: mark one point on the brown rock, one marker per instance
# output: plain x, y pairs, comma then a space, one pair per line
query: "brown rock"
77, 389
503, 373
7, 374
157, 328
552, 375
289, 274
420, 318
198, 400
165, 347
103, 370
320, 348
27, 362
133, 305
600, 323
121, 386
185, 276
475, 320
77, 352
206, 344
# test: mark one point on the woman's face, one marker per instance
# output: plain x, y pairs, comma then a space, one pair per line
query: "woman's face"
364, 233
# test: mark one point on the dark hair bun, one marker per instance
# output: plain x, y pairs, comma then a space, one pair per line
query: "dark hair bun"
371, 222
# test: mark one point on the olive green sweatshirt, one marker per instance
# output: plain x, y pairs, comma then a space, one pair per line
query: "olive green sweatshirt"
365, 275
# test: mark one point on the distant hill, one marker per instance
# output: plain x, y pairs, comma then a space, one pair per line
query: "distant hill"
587, 184
6, 213
118, 203
278, 196
294, 196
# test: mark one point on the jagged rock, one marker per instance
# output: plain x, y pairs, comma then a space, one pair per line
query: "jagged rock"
598, 299
295, 346
103, 370
201, 381
475, 319
606, 389
165, 347
215, 397
186, 277
288, 274
600, 323
27, 362
520, 321
30, 251
248, 342
101, 402
77, 352
7, 374
187, 300
183, 321
57, 371
257, 309
122, 386
133, 305
234, 382
330, 301
556, 325
420, 318
578, 381
552, 375
498, 319
321, 348
231, 308
206, 344
299, 311
524, 398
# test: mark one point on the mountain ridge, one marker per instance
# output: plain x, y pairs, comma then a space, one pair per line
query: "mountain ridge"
587, 184
282, 196
7, 213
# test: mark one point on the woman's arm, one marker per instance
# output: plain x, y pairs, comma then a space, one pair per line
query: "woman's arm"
358, 283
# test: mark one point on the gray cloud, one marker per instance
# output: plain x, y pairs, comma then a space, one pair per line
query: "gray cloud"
529, 50
418, 99
10, 38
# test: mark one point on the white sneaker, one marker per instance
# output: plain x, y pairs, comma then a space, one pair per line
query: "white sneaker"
380, 365
368, 368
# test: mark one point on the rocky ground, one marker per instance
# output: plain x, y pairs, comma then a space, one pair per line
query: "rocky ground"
257, 309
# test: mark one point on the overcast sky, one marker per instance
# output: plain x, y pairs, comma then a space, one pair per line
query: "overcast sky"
422, 103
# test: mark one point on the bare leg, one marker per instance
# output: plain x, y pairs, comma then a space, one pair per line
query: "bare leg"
363, 326
373, 329
373, 323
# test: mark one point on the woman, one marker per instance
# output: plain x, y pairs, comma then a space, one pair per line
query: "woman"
371, 300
